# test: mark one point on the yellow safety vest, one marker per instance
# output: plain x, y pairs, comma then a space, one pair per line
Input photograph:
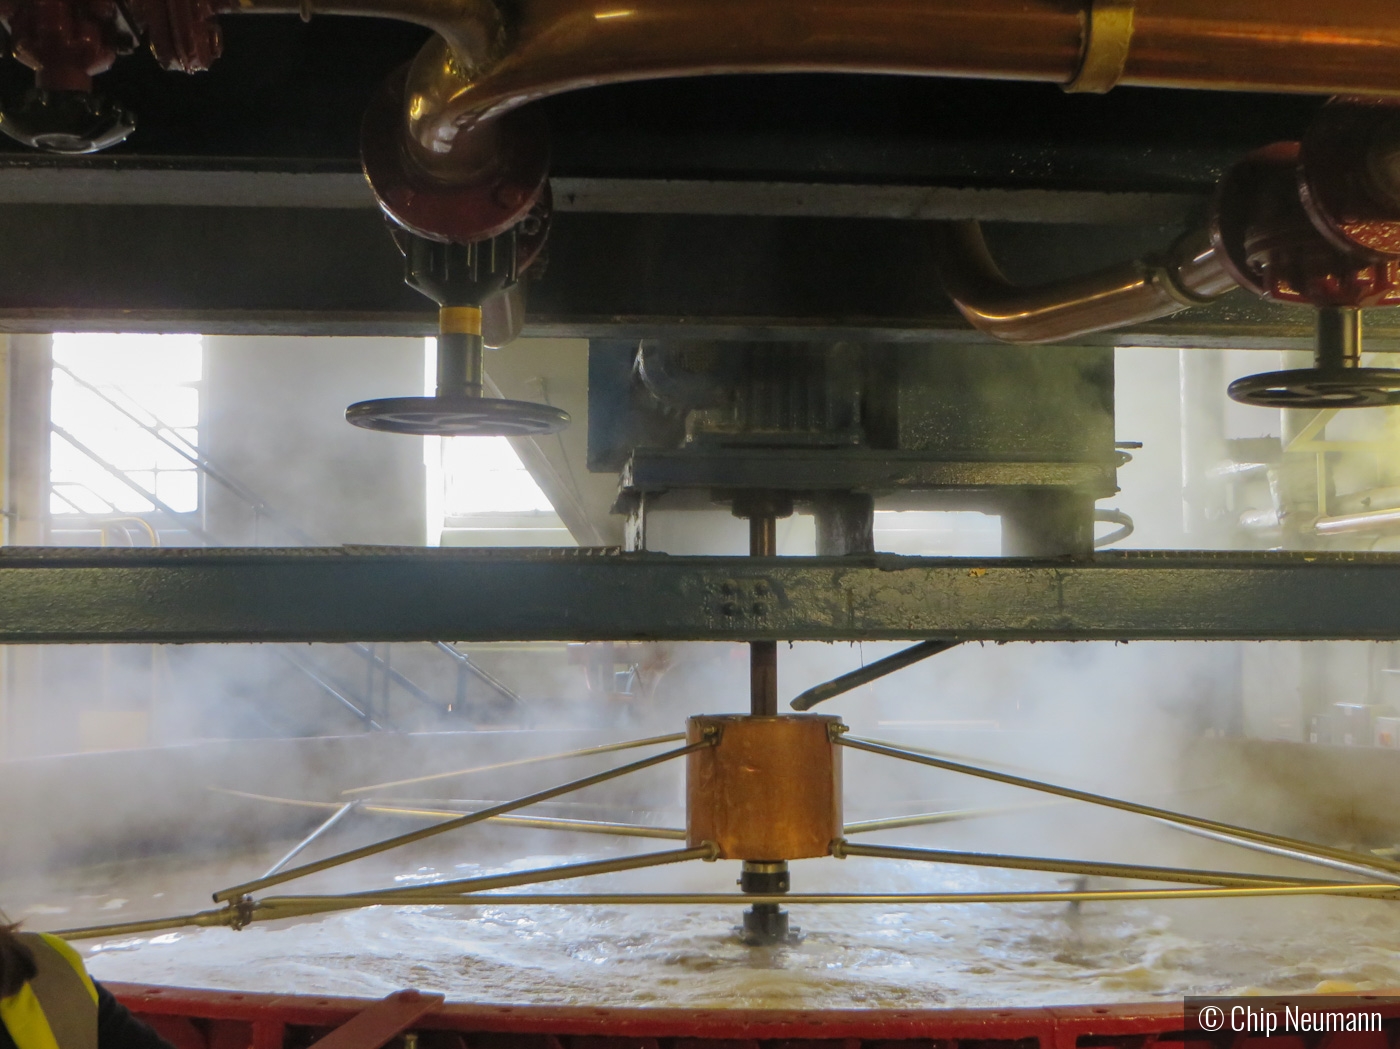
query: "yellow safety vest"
58, 1008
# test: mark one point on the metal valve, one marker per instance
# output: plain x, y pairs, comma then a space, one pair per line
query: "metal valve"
1337, 379
459, 277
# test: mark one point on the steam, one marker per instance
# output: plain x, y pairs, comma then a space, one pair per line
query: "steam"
138, 831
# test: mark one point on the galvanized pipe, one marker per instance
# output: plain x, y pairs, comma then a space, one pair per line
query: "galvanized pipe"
314, 836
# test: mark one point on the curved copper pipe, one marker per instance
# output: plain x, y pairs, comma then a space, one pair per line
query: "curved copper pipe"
1141, 290
488, 63
474, 30
556, 46
564, 45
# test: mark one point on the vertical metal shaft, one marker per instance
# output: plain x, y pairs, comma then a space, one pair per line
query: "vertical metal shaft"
1338, 337
763, 655
765, 924
459, 351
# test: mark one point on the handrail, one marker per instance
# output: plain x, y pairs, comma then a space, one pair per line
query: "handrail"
1189, 274
192, 454
121, 475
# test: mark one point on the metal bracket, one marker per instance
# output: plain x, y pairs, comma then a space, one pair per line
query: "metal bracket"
382, 1021
1108, 36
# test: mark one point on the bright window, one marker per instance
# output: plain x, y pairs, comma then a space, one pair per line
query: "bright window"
483, 475
120, 402
479, 488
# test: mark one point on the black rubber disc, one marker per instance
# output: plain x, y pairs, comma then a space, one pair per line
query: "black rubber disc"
1318, 388
457, 417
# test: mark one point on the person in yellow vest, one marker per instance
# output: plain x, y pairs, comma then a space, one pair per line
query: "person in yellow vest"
48, 1000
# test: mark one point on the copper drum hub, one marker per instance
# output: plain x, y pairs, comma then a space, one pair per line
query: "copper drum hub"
769, 789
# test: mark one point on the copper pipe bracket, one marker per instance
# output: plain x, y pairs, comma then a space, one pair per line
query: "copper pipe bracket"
1108, 35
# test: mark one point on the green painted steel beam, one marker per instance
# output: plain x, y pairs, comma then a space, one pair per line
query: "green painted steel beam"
397, 594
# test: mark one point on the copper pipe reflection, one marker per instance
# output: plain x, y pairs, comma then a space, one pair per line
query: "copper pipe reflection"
1130, 292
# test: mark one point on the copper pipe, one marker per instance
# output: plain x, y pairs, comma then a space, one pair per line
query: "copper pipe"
486, 64
473, 29
555, 46
565, 45
1140, 290
1279, 45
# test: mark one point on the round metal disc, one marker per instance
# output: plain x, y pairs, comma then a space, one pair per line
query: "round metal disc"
1316, 388
457, 417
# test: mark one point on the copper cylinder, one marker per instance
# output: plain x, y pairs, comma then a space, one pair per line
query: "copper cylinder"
770, 789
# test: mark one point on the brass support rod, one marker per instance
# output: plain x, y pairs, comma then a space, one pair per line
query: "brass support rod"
222, 916
1165, 815
842, 849
275, 908
606, 748
300, 847
1291, 854
887, 899
620, 830
408, 810
921, 819
294, 906
237, 891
